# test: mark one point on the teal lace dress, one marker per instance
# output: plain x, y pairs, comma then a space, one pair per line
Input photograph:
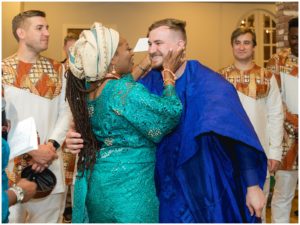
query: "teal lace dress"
129, 121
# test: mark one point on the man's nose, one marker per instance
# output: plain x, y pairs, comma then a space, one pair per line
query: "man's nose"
152, 49
241, 46
46, 32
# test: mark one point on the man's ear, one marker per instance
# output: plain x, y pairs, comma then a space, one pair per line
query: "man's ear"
21, 33
181, 43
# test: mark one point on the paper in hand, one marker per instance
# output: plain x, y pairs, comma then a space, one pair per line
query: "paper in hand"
22, 138
141, 45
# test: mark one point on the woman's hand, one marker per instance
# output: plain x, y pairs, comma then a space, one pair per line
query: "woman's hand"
174, 59
29, 188
142, 68
145, 64
74, 142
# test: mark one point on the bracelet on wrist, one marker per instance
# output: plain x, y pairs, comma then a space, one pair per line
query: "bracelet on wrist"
171, 72
169, 82
18, 192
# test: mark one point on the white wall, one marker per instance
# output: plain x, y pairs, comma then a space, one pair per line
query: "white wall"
209, 25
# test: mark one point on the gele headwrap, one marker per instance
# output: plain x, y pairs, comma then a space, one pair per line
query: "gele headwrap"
92, 52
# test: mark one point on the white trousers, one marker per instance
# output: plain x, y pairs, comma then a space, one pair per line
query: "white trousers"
45, 210
266, 191
284, 192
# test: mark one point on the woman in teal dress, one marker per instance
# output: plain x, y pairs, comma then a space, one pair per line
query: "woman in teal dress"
120, 122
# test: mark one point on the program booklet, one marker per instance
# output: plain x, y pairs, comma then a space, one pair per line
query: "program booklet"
22, 138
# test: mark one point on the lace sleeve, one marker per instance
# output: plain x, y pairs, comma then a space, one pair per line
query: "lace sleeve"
152, 115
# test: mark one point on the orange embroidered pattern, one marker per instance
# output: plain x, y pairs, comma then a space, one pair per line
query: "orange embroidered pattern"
254, 83
285, 62
43, 78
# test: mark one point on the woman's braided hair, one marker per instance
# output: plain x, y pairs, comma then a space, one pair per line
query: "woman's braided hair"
76, 94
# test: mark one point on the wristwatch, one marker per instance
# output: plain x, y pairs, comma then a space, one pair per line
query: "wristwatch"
55, 144
18, 192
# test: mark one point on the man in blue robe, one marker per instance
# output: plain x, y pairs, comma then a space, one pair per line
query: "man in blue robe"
211, 169
212, 166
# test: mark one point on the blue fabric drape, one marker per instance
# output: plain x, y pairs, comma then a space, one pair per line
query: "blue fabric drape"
205, 165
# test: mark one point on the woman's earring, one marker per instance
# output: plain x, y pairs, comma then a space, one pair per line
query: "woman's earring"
113, 70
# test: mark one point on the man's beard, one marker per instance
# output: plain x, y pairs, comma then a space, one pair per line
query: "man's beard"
36, 49
160, 65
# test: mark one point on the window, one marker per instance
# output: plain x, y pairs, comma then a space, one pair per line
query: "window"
263, 24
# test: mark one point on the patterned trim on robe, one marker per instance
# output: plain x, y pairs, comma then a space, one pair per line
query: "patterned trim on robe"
43, 78
69, 165
254, 83
285, 62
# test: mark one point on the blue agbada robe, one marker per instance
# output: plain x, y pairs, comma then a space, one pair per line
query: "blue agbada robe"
203, 168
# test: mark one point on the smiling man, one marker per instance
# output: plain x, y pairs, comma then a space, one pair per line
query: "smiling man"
260, 97
191, 163
33, 87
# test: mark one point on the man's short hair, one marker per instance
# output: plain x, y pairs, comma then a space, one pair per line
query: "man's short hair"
19, 19
173, 24
293, 23
70, 36
243, 30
